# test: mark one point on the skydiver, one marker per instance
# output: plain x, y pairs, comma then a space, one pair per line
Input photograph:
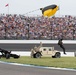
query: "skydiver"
61, 45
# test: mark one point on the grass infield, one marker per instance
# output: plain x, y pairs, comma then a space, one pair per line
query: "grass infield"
63, 62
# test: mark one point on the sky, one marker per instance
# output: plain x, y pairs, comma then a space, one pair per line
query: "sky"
67, 7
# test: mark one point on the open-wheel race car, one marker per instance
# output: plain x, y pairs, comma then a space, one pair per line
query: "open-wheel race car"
7, 54
39, 51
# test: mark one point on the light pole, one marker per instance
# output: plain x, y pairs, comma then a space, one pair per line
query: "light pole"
28, 30
5, 31
73, 32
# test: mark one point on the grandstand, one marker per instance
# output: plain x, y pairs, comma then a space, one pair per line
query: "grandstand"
16, 27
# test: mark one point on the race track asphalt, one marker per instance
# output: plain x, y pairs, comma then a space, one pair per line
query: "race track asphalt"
27, 47
7, 69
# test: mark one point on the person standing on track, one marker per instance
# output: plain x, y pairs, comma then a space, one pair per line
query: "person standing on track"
60, 43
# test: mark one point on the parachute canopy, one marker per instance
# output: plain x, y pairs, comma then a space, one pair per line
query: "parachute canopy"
49, 10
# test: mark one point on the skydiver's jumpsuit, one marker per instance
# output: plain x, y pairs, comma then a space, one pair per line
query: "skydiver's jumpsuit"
61, 45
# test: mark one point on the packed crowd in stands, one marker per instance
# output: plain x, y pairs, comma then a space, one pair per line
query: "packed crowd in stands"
37, 28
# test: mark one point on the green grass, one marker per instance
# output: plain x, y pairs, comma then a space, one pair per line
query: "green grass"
63, 62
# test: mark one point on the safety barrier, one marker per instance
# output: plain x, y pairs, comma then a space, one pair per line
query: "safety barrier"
38, 41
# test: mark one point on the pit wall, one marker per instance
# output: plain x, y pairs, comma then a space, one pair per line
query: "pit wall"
38, 41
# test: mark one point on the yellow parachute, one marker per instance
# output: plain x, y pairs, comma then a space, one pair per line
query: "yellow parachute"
49, 10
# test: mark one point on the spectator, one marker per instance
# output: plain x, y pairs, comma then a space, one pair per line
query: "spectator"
15, 27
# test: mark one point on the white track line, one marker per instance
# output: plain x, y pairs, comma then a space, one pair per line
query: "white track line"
66, 69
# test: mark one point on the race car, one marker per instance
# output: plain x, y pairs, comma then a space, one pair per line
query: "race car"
7, 54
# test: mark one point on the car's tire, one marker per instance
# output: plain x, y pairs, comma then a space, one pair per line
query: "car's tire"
53, 56
57, 55
16, 56
0, 56
37, 55
7, 56
75, 53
